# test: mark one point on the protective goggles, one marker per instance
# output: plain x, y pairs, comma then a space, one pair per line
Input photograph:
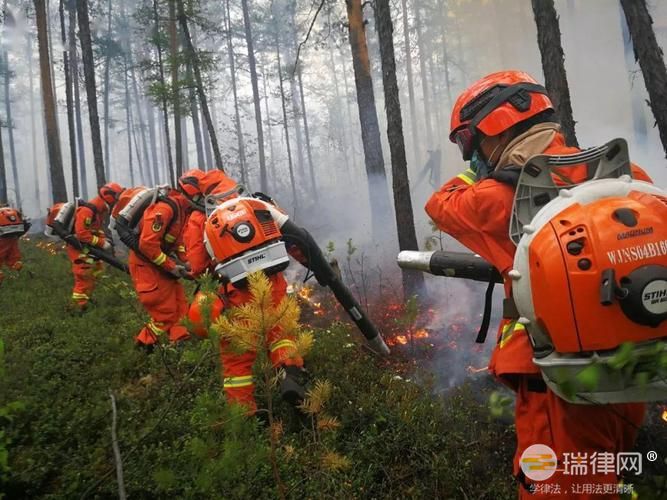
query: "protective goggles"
467, 141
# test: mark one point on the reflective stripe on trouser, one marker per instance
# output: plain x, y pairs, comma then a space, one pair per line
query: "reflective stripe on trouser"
85, 270
508, 332
283, 352
164, 301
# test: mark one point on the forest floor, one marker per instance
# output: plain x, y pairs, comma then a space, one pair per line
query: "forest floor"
395, 439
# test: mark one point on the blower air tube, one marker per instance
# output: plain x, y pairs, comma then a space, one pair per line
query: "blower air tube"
326, 276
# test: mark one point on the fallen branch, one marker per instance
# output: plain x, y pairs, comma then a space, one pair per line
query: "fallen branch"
116, 449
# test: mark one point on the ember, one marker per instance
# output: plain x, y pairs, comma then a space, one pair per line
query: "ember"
664, 414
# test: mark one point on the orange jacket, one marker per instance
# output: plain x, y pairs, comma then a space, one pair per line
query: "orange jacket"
478, 214
89, 220
161, 231
193, 237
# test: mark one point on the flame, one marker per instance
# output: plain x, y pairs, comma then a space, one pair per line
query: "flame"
664, 414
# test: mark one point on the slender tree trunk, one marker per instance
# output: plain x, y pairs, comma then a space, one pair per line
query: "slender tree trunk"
428, 110
194, 58
74, 67
651, 61
55, 158
10, 131
165, 105
3, 172
255, 94
272, 162
69, 102
130, 156
553, 65
33, 128
194, 114
91, 91
107, 92
309, 153
370, 131
140, 114
445, 53
342, 124
636, 99
295, 201
407, 237
237, 115
416, 146
208, 150
151, 137
174, 65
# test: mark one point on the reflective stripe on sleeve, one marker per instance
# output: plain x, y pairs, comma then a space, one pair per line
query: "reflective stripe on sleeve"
160, 259
232, 382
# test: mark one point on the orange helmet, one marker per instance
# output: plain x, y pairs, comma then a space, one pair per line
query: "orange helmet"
217, 182
494, 104
110, 192
204, 310
190, 184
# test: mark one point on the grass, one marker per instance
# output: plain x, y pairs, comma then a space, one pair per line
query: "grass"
179, 439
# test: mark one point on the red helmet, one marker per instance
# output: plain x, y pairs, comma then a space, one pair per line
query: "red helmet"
190, 184
110, 192
494, 104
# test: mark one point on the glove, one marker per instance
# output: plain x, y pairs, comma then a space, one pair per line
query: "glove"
107, 246
179, 272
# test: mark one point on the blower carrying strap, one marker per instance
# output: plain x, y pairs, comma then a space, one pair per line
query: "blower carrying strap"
486, 319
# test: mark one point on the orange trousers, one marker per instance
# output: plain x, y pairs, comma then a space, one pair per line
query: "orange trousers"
10, 255
238, 382
571, 429
163, 298
85, 270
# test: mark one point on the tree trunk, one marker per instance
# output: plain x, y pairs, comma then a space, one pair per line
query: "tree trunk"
651, 61
309, 153
142, 124
91, 91
107, 92
272, 161
424, 77
416, 146
10, 131
130, 156
237, 116
33, 128
74, 67
194, 114
255, 94
194, 59
636, 98
3, 173
176, 101
413, 281
295, 201
370, 131
69, 102
553, 65
152, 139
165, 105
342, 124
59, 188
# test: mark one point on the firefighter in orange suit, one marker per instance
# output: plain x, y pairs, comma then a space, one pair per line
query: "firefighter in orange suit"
12, 227
237, 368
89, 220
158, 264
499, 123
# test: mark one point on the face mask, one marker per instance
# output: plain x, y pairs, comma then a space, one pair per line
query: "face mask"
479, 165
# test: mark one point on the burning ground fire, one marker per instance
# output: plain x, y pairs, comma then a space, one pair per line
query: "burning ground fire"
664, 414
443, 343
